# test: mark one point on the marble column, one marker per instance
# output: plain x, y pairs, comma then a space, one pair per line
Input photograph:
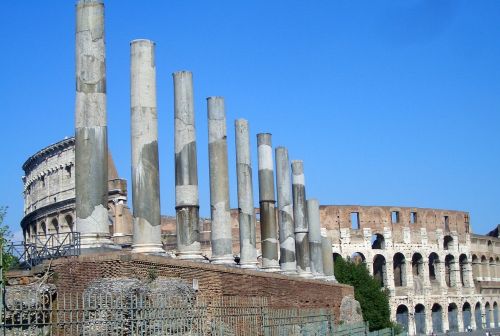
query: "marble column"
221, 238
268, 229
91, 135
186, 169
246, 216
300, 219
328, 266
285, 212
144, 139
315, 238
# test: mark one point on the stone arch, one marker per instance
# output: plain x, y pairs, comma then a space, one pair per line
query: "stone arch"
467, 315
55, 226
434, 268
378, 241
476, 267
380, 269
487, 314
420, 327
490, 246
492, 271
402, 317
69, 222
453, 317
358, 258
43, 228
417, 268
399, 269
478, 316
484, 268
463, 265
449, 271
496, 318
437, 318
448, 242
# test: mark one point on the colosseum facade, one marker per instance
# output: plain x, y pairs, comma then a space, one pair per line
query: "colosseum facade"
439, 275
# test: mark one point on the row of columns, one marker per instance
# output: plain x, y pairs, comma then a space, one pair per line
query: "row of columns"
486, 270
301, 247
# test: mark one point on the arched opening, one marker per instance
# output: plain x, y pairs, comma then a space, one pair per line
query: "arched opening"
402, 317
399, 268
69, 222
477, 316
487, 314
467, 316
476, 267
434, 268
449, 265
492, 270
464, 279
55, 226
43, 228
379, 270
437, 318
448, 242
420, 328
378, 241
490, 245
484, 268
453, 317
358, 258
417, 268
495, 315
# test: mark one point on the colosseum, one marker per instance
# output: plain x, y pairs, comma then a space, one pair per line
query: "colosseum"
440, 276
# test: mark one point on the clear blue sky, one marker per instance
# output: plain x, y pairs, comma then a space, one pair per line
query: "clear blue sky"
387, 102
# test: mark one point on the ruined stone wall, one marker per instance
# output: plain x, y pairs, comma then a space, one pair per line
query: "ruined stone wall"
74, 275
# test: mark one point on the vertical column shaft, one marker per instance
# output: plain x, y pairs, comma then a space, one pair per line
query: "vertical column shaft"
186, 169
91, 138
268, 229
144, 139
248, 251
300, 219
315, 237
285, 211
222, 242
326, 250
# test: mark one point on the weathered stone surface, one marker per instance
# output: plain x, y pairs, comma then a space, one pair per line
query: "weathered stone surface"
350, 310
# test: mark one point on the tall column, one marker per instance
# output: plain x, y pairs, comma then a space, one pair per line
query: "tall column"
144, 138
326, 250
248, 250
186, 169
300, 219
91, 136
268, 229
315, 237
285, 212
222, 243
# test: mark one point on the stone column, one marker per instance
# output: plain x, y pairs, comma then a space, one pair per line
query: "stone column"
268, 229
315, 238
222, 242
285, 212
300, 219
326, 250
186, 169
91, 136
144, 139
248, 250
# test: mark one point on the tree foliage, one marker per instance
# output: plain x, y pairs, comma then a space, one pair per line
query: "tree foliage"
9, 261
374, 300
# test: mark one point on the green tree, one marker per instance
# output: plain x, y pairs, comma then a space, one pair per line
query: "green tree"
374, 300
9, 261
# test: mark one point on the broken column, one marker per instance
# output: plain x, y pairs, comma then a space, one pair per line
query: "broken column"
222, 243
91, 138
285, 212
248, 251
326, 250
300, 219
268, 229
144, 139
186, 169
315, 237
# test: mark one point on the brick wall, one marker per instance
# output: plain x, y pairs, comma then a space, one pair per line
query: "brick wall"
74, 275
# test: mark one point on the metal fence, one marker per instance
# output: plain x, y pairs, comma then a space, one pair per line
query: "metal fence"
156, 314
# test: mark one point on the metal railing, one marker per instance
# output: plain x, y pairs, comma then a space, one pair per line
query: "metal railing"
44, 247
158, 314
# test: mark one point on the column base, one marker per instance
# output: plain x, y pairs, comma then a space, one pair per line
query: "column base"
249, 264
191, 256
223, 260
270, 269
95, 243
307, 275
148, 248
